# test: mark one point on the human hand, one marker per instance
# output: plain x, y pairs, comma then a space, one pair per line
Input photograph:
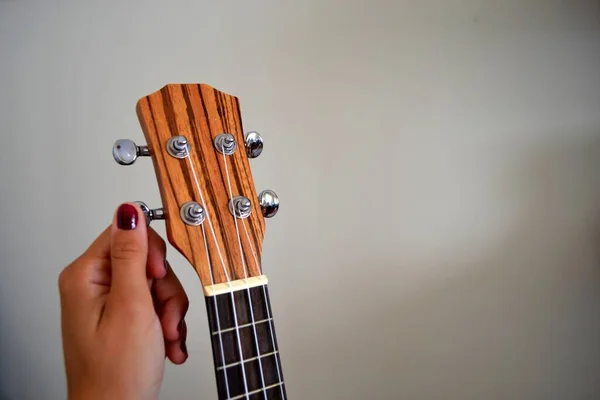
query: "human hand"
122, 313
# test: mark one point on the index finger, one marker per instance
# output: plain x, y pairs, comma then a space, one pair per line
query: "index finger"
157, 256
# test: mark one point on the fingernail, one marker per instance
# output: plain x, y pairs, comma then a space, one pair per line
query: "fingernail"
184, 348
127, 217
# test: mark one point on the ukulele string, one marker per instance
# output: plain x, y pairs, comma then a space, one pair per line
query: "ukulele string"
208, 217
245, 268
219, 333
267, 307
237, 327
251, 247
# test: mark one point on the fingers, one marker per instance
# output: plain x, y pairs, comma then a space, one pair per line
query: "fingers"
176, 350
129, 252
100, 248
84, 282
157, 252
87, 276
91, 270
172, 305
157, 255
81, 287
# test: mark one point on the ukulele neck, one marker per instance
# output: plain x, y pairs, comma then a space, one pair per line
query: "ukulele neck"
244, 344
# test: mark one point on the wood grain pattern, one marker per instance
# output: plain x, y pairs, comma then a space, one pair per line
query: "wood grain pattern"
200, 113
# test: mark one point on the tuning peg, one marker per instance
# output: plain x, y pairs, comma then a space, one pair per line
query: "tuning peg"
125, 151
254, 144
269, 203
150, 214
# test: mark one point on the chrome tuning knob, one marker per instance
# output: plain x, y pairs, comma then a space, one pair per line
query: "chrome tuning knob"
178, 147
192, 213
151, 215
269, 203
225, 144
254, 144
125, 151
240, 207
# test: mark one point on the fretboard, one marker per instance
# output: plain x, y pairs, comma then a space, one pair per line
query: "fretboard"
244, 345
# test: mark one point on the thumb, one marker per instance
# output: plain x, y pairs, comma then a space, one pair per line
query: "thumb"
129, 251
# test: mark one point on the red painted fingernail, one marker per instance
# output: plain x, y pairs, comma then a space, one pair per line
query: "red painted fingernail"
127, 217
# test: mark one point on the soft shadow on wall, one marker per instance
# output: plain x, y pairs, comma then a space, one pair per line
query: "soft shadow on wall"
518, 318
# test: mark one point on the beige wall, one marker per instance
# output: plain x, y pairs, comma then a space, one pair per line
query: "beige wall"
438, 164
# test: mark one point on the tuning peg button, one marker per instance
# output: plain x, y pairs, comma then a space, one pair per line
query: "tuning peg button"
254, 144
151, 215
125, 151
269, 203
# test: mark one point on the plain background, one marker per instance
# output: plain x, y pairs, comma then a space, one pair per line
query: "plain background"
438, 164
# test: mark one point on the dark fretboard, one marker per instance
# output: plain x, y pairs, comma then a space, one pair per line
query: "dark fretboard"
245, 351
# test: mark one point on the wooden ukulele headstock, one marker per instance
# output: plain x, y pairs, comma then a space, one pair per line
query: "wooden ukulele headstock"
190, 130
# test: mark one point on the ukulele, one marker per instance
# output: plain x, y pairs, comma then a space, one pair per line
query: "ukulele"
216, 220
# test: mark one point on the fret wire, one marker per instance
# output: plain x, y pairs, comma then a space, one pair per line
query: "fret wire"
241, 326
241, 396
277, 366
235, 364
239, 341
260, 367
256, 360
